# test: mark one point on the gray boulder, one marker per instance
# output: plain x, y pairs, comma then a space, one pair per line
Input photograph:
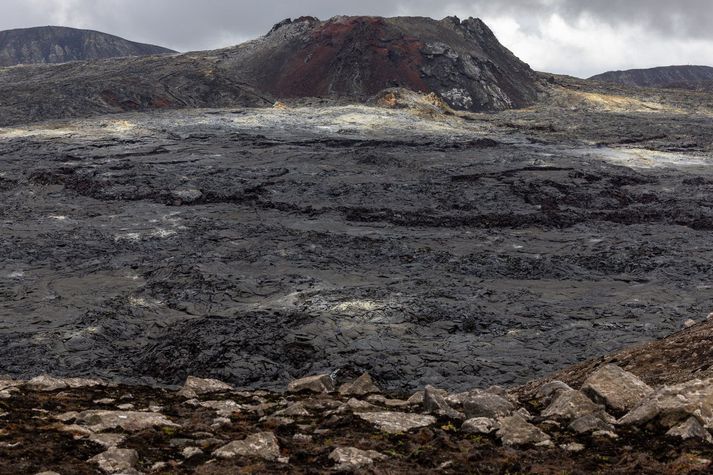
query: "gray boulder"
691, 429
297, 409
435, 403
457, 400
107, 440
197, 386
671, 405
224, 408
117, 461
479, 425
130, 421
322, 383
590, 423
549, 391
571, 405
397, 422
263, 445
487, 405
356, 405
619, 390
350, 458
361, 386
515, 430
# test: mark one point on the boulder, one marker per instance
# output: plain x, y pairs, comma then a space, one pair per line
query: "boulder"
50, 383
355, 405
361, 386
224, 408
322, 383
46, 383
671, 405
549, 391
573, 447
298, 409
130, 421
107, 441
571, 405
190, 452
691, 429
350, 458
457, 400
590, 423
263, 445
396, 422
417, 398
619, 390
117, 461
197, 386
515, 430
435, 403
487, 405
479, 425
10, 383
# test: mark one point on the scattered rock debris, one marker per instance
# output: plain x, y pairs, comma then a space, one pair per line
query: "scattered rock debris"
329, 431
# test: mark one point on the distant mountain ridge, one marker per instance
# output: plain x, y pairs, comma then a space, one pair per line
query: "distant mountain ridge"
679, 77
58, 44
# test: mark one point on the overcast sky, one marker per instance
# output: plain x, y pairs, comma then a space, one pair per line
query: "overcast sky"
578, 37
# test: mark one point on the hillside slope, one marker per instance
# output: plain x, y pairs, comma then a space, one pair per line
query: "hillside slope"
683, 77
55, 44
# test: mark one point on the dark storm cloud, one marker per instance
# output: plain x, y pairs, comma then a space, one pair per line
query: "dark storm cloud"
573, 36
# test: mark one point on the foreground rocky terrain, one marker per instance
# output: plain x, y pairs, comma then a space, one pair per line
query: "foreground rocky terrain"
57, 44
611, 422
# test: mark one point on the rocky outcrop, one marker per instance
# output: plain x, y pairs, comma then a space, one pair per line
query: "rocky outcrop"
58, 44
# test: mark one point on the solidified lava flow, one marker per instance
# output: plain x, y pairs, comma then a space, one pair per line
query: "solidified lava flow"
258, 245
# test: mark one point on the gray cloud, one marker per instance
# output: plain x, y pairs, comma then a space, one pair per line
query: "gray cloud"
579, 37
